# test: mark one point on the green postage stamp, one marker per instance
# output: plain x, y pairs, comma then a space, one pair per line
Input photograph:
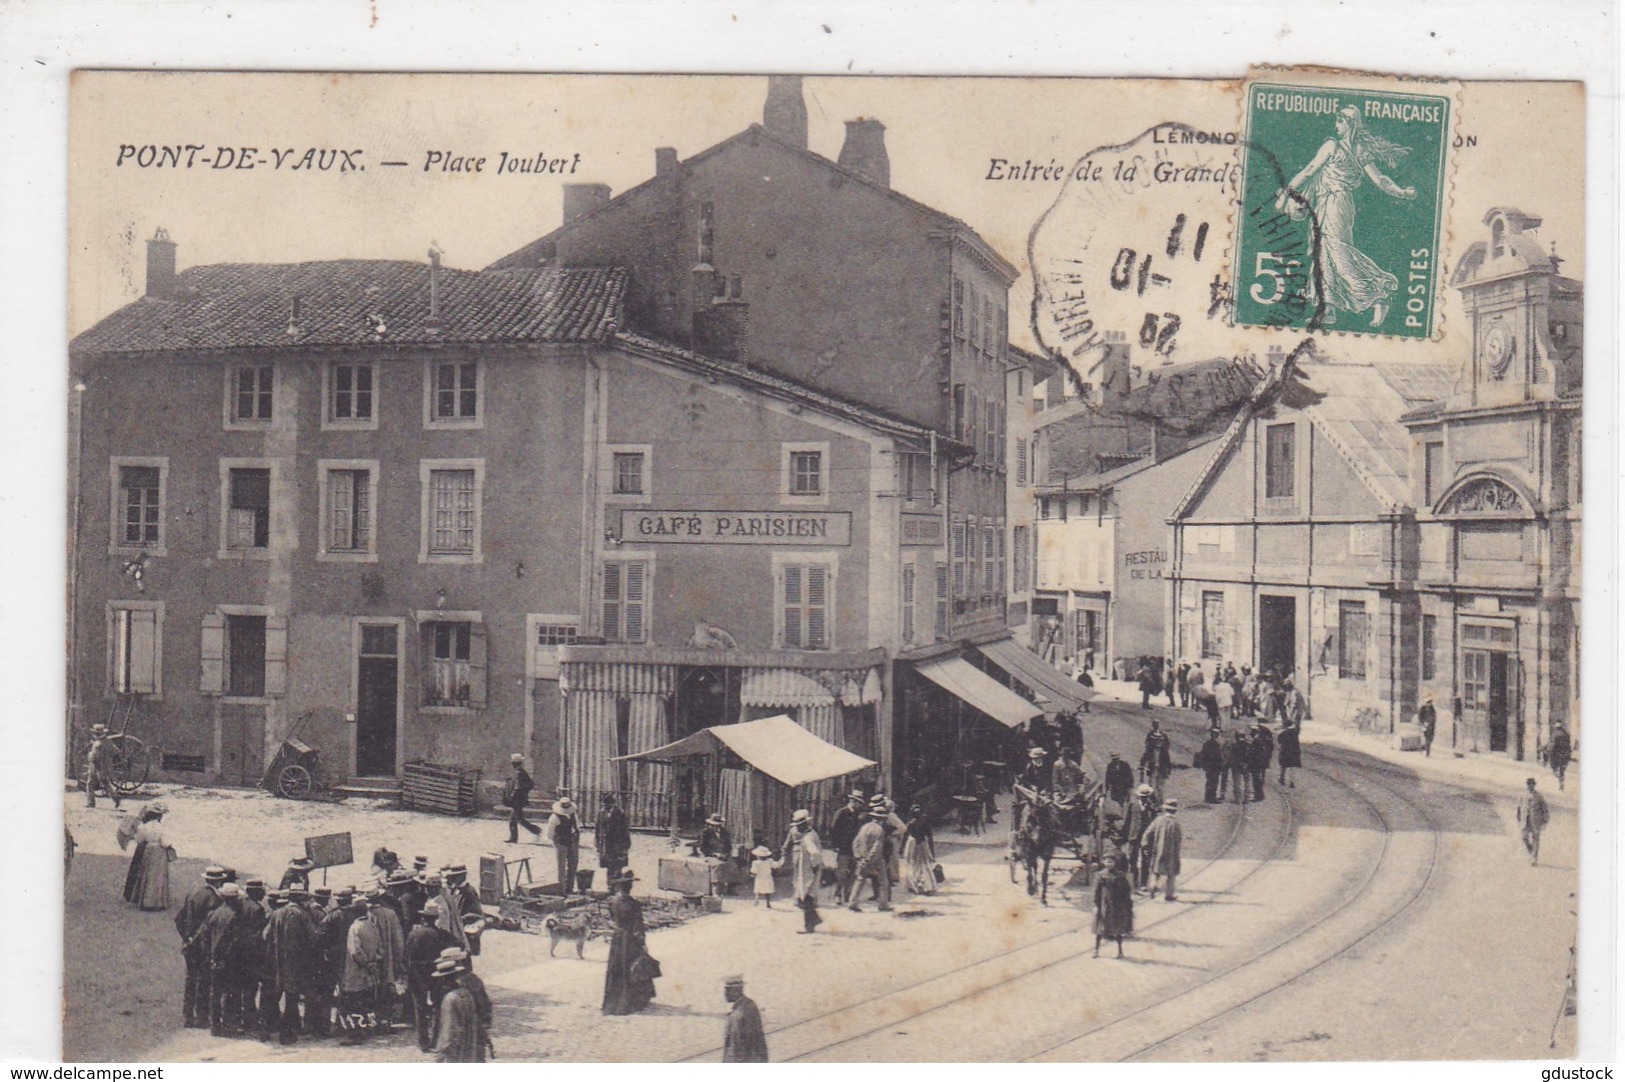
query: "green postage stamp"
1341, 208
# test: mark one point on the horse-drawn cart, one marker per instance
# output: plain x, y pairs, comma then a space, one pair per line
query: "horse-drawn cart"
1044, 823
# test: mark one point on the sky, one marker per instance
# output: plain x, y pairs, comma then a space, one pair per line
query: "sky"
942, 135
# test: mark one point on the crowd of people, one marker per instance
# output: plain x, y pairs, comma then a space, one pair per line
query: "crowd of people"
282, 963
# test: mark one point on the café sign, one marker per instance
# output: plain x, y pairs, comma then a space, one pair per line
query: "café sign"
815, 528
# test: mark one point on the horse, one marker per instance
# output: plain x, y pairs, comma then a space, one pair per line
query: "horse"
1033, 838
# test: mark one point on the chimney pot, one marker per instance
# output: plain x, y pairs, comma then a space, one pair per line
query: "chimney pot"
161, 278
582, 199
665, 163
864, 151
785, 114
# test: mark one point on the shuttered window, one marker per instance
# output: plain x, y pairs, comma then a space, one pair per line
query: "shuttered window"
134, 651
942, 601
625, 600
349, 510
989, 549
959, 558
804, 606
1021, 460
1279, 473
908, 603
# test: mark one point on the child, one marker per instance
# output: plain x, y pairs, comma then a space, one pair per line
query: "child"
761, 874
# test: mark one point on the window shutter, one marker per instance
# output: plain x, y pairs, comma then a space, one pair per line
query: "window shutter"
341, 506
792, 606
1021, 461
477, 667
942, 601
143, 656
612, 601
959, 558
908, 602
276, 655
212, 678
959, 411
636, 602
817, 607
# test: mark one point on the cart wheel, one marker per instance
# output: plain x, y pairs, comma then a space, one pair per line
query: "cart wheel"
129, 763
294, 782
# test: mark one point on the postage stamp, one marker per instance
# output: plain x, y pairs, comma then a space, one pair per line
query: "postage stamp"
1342, 203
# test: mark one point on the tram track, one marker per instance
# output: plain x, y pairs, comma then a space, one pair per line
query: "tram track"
1410, 895
873, 1007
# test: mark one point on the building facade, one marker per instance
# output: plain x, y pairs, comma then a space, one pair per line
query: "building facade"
1384, 532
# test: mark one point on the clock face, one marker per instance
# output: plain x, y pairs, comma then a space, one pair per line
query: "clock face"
1498, 350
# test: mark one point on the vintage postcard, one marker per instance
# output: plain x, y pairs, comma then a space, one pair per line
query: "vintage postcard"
776, 568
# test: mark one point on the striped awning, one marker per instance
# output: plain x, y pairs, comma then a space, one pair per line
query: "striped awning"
1043, 678
783, 687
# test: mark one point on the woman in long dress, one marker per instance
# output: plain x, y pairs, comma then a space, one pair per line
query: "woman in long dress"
919, 853
1114, 904
1348, 278
147, 884
627, 986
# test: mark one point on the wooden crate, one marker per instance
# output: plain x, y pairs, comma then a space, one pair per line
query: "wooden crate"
448, 790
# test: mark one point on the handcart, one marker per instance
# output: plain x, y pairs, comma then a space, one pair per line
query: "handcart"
294, 767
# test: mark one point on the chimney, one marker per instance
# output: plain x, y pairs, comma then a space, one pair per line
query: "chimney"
785, 114
161, 266
864, 151
722, 329
1116, 375
582, 199
433, 323
665, 164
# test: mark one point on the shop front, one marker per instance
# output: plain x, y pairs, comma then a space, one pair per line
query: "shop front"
620, 701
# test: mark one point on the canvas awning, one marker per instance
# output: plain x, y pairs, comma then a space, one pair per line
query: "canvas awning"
964, 681
1038, 674
776, 746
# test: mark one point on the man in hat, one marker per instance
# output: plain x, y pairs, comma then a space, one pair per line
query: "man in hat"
461, 1037
251, 955
843, 828
360, 974
1209, 759
332, 940
1142, 812
1119, 779
869, 859
1163, 837
1427, 719
516, 795
99, 767
564, 831
805, 856
195, 999
298, 874
392, 965
1038, 774
290, 964
222, 938
1533, 815
1260, 754
408, 896
423, 946
1238, 755
744, 1040
460, 903
476, 987
612, 837
1156, 763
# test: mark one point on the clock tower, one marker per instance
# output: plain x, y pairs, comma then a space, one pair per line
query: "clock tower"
1524, 318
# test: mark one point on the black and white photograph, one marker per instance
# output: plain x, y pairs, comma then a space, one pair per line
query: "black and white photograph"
850, 568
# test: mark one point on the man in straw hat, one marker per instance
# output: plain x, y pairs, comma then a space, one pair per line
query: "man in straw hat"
99, 767
298, 874
744, 1040
869, 858
290, 962
424, 945
1163, 837
516, 794
189, 923
806, 858
564, 831
221, 937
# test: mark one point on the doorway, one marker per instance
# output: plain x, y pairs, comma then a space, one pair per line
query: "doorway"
1485, 692
1277, 634
377, 700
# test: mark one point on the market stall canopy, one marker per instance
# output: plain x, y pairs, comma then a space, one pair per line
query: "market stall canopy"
963, 680
1038, 674
776, 746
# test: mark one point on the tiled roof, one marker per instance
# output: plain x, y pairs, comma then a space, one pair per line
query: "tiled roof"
360, 302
